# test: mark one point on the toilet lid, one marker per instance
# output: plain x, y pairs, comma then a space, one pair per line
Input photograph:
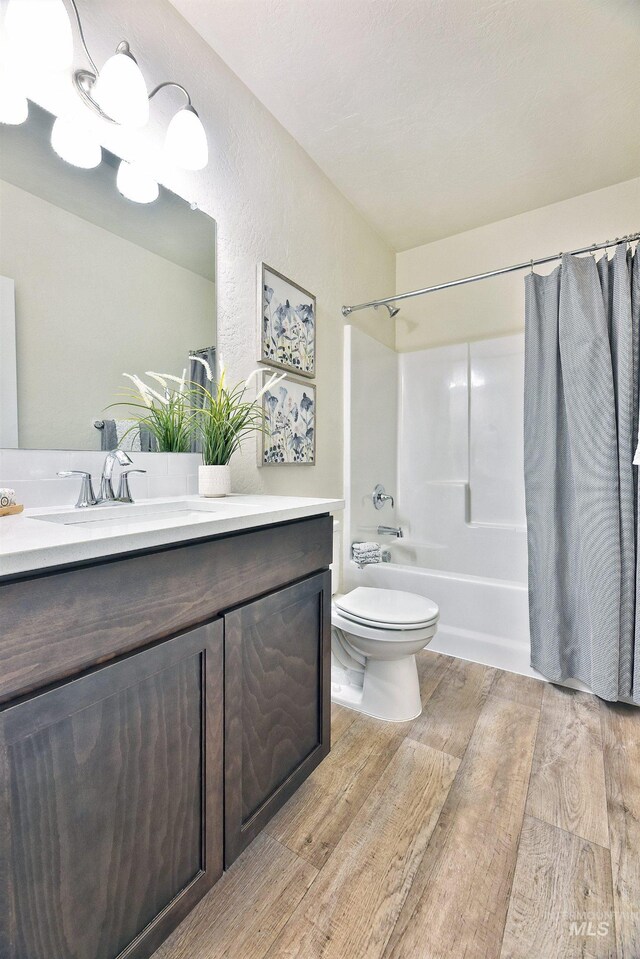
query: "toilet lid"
380, 607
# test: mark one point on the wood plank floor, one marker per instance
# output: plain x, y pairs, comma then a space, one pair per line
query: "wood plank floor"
504, 823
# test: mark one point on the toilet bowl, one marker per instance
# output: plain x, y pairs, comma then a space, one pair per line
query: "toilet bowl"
375, 634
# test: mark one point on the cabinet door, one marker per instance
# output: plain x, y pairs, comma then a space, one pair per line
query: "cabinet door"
277, 703
111, 804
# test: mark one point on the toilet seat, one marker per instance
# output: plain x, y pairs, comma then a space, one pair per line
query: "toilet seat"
387, 609
383, 635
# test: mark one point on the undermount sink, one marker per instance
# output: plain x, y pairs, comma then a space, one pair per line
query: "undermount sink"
147, 514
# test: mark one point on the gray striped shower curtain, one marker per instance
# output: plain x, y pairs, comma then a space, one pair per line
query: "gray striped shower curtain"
582, 340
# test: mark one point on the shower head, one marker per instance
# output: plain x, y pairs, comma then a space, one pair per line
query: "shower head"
393, 310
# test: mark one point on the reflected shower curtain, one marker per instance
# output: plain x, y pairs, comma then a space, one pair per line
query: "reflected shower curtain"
581, 431
198, 374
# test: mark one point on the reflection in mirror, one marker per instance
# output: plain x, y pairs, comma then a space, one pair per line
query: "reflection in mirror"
92, 286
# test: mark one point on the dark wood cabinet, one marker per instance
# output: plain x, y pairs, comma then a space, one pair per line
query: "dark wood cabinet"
112, 803
277, 703
155, 710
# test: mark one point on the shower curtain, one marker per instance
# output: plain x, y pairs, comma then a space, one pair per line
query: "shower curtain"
581, 430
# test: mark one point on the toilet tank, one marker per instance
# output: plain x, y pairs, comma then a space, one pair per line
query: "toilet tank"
336, 565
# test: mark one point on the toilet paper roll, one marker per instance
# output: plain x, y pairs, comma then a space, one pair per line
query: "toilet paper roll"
7, 497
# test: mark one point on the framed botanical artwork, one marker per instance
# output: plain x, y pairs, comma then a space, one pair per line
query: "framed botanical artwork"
287, 324
289, 436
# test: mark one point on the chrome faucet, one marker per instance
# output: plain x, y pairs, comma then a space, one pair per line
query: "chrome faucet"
390, 531
379, 497
106, 488
87, 497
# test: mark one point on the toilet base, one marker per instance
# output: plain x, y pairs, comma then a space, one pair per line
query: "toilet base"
391, 690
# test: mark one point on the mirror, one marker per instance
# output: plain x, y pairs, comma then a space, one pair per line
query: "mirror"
92, 286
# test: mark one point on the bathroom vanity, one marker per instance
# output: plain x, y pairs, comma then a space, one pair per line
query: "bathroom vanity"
164, 665
162, 694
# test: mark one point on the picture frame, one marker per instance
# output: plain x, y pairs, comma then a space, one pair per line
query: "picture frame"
289, 436
287, 318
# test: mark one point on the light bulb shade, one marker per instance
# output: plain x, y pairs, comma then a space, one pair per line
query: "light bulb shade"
121, 92
135, 184
14, 108
39, 31
186, 141
75, 144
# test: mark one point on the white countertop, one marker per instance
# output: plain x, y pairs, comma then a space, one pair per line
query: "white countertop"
31, 543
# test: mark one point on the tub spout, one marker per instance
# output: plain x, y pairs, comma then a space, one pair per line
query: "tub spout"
390, 531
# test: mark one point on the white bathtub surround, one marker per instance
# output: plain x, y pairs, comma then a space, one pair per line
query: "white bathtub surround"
214, 480
32, 473
460, 457
41, 538
370, 429
449, 446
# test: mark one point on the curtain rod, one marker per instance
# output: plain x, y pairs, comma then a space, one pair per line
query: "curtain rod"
346, 310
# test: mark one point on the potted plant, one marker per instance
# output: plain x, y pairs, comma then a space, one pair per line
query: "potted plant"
223, 418
167, 416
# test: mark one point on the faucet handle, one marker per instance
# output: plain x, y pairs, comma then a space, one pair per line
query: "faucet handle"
124, 493
379, 497
86, 496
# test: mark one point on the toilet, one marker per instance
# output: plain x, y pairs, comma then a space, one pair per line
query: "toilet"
375, 634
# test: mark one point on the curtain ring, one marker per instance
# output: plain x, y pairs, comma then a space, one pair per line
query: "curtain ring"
531, 266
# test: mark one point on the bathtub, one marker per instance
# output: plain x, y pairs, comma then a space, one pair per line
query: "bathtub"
482, 620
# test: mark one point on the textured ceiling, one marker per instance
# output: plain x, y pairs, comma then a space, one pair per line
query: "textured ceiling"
437, 116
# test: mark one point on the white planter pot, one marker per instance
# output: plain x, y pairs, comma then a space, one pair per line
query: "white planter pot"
214, 480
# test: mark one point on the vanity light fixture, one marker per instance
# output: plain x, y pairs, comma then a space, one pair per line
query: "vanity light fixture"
186, 141
40, 31
135, 184
75, 144
118, 90
118, 93
14, 107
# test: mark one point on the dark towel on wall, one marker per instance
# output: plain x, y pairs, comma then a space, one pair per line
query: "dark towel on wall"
109, 438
